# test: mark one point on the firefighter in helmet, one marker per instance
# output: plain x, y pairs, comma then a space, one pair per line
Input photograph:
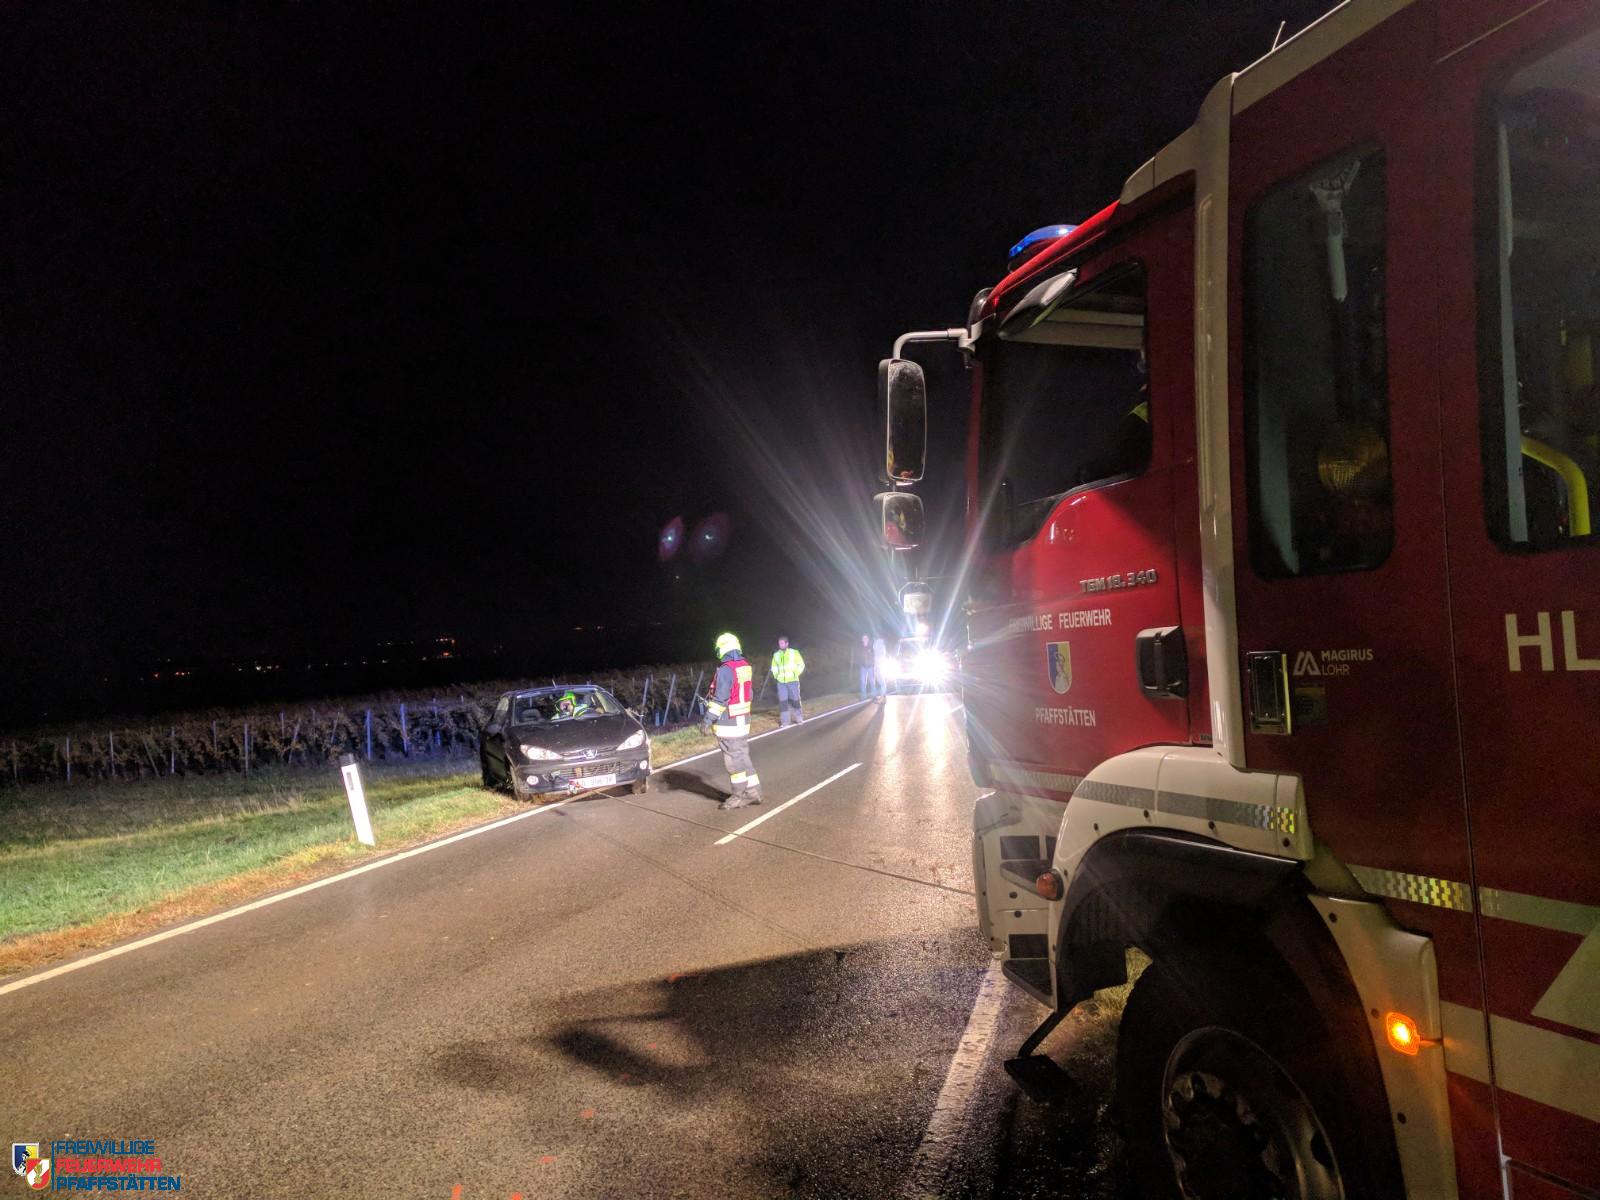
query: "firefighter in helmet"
728, 716
570, 706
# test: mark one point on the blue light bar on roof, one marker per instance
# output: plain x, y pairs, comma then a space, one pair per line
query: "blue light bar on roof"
1034, 242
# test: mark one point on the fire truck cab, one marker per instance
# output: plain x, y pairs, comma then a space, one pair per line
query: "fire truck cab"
1283, 613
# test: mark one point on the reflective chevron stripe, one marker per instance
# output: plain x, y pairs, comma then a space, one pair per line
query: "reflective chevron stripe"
1182, 804
1419, 889
1572, 997
1049, 780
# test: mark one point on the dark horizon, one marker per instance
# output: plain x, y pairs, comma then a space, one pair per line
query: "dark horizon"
330, 326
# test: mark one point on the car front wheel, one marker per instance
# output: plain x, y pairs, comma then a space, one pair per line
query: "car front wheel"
519, 790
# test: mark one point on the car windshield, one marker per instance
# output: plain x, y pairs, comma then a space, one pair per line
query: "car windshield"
912, 646
540, 708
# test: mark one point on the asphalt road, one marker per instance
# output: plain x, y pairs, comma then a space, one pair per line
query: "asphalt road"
602, 999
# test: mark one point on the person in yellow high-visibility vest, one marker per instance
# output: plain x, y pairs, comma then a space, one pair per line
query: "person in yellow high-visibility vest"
728, 716
787, 667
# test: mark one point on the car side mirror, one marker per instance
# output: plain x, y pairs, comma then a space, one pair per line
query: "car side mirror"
634, 713
902, 520
903, 393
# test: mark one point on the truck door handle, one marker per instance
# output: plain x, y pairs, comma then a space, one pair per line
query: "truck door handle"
1162, 660
1268, 674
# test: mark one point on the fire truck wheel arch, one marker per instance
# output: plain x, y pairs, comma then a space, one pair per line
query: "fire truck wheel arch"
1132, 886
1218, 910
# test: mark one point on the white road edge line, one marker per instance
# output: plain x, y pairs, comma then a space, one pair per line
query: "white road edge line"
678, 762
770, 813
17, 985
930, 1168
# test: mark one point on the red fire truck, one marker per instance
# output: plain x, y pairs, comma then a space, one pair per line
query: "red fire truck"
1283, 605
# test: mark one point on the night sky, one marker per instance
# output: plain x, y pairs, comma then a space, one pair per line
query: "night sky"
331, 324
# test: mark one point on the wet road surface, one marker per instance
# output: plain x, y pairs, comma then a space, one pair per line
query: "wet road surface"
607, 998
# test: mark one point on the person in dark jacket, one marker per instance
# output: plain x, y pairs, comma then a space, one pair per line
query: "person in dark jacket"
861, 661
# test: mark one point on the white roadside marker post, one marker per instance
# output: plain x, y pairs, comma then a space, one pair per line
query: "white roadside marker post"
351, 770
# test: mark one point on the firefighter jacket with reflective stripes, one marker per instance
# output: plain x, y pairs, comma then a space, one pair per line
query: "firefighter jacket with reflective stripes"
732, 697
788, 665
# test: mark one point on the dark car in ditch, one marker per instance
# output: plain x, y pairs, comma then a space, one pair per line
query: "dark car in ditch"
564, 739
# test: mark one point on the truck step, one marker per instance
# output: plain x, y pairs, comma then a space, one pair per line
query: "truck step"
1032, 975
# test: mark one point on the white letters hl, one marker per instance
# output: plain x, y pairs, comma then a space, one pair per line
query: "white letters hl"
1571, 659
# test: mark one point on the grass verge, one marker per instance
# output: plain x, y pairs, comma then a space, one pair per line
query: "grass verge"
87, 867
64, 896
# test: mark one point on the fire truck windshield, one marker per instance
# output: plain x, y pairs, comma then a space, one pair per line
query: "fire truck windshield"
1066, 402
1540, 338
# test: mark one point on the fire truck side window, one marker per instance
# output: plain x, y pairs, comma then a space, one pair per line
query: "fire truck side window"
1316, 385
1539, 301
1066, 399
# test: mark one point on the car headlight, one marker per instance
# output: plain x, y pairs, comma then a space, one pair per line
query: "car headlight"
534, 753
891, 670
932, 666
636, 740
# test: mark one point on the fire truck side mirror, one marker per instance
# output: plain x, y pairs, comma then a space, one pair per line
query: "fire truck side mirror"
903, 393
902, 520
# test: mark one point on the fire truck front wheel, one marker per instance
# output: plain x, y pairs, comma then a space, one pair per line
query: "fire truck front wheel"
1227, 1088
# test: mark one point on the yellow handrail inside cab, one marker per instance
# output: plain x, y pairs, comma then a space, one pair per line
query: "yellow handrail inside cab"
1571, 475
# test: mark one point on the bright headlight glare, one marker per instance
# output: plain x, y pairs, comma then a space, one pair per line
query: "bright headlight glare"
636, 740
536, 752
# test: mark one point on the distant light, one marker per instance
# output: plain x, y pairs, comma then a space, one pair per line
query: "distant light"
670, 538
710, 537
1034, 242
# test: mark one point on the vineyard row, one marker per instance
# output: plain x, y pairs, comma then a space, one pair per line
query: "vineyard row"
303, 735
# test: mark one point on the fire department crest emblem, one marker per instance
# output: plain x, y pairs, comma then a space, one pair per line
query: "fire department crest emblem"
1058, 664
25, 1161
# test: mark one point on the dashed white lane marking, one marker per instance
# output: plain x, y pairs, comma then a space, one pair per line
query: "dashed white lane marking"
928, 1177
768, 815
678, 762
115, 951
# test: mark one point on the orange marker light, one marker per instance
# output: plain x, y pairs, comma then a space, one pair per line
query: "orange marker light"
1048, 885
1402, 1033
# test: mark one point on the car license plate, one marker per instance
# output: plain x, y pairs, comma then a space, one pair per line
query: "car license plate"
595, 781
